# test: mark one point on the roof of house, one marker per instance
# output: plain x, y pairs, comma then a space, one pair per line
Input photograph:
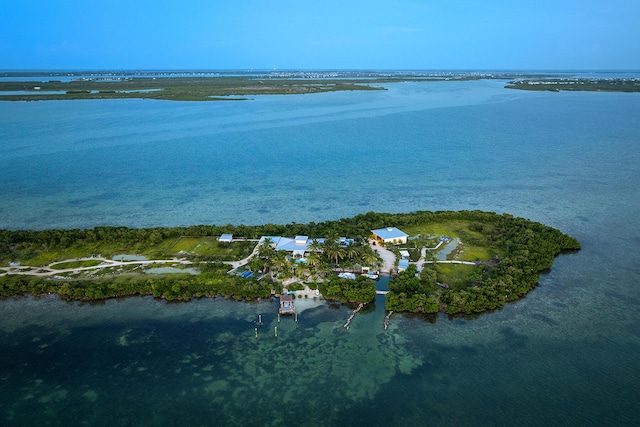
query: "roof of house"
226, 238
389, 233
299, 245
343, 241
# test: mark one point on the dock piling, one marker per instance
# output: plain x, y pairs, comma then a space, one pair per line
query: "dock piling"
387, 319
353, 314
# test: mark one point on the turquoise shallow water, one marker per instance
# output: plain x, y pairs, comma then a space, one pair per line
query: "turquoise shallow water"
565, 355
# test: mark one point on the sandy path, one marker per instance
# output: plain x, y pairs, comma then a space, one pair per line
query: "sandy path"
49, 271
388, 258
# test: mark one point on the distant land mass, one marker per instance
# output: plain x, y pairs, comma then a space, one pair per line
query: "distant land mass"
238, 85
578, 84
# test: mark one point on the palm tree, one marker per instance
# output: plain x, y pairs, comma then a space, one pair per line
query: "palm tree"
302, 269
328, 248
278, 261
352, 251
315, 246
333, 250
257, 264
313, 259
371, 257
266, 249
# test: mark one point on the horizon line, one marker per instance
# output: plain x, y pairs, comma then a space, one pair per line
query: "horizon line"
602, 70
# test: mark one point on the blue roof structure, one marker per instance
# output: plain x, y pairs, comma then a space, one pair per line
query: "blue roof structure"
298, 246
403, 264
389, 233
226, 238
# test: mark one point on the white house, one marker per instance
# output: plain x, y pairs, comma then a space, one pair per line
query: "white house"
226, 238
297, 246
390, 235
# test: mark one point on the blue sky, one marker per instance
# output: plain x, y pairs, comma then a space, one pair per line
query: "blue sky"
329, 34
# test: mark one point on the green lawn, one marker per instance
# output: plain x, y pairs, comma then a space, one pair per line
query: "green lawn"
474, 253
38, 255
448, 228
211, 248
194, 245
205, 247
432, 229
76, 264
41, 257
470, 250
458, 275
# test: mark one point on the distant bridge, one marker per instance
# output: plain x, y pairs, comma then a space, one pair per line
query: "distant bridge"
382, 292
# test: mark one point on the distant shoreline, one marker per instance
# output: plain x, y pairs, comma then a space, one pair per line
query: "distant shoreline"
200, 86
222, 88
578, 85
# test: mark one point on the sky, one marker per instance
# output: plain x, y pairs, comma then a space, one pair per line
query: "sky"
320, 35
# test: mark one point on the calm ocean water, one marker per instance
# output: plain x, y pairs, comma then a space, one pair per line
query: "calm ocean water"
568, 354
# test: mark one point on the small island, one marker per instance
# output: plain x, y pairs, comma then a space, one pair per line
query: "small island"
177, 87
454, 262
577, 84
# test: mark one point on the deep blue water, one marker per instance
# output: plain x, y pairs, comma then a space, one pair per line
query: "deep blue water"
567, 354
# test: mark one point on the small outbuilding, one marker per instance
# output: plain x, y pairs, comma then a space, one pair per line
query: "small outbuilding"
225, 238
390, 235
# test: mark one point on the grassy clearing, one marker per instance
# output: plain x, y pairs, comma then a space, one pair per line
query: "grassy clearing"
42, 258
458, 275
112, 271
76, 264
39, 255
204, 247
451, 228
210, 247
475, 253
471, 248
194, 245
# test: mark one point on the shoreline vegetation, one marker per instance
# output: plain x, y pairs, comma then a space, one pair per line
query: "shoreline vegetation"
238, 86
577, 84
498, 258
172, 89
